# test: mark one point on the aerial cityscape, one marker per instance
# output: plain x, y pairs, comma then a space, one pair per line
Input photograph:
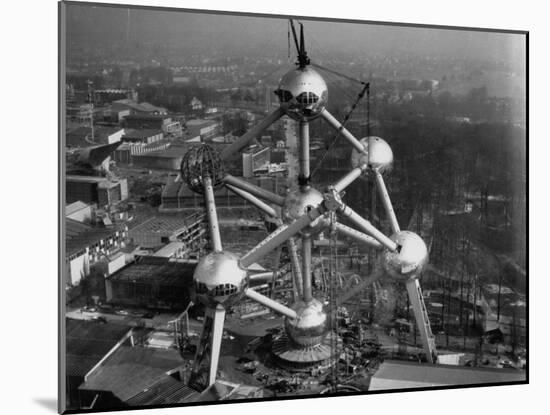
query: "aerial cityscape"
270, 207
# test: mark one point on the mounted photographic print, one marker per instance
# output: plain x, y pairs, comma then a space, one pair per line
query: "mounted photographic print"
259, 207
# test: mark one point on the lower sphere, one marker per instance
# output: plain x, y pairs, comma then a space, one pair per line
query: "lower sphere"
311, 324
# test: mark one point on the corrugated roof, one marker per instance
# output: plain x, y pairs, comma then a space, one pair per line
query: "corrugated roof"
166, 391
131, 370
165, 225
79, 236
88, 341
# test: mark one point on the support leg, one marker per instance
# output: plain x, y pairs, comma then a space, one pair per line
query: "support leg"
296, 269
205, 365
306, 268
422, 321
386, 201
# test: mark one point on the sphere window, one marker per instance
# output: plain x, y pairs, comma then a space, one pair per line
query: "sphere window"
284, 95
307, 98
201, 288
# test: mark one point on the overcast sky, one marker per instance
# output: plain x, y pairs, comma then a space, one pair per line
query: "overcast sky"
238, 33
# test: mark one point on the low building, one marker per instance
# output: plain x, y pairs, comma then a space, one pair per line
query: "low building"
93, 189
201, 128
142, 108
256, 160
85, 245
106, 96
87, 343
144, 135
172, 250
405, 375
156, 122
125, 374
151, 282
196, 104
79, 211
160, 230
167, 159
126, 151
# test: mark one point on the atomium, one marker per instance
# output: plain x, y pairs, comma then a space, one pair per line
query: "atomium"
303, 94
221, 279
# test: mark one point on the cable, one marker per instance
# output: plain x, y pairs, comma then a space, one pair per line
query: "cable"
349, 78
366, 88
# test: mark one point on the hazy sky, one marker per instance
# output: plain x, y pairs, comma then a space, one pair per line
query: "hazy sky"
103, 24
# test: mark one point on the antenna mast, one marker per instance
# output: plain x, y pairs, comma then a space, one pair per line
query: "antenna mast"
303, 59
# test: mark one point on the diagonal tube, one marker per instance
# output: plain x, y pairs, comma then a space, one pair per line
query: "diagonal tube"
306, 268
296, 269
279, 236
349, 178
213, 225
368, 227
346, 295
254, 190
334, 123
386, 201
358, 236
245, 139
264, 207
261, 276
269, 303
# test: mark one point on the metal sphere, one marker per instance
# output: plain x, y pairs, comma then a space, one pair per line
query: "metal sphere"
219, 279
296, 204
378, 155
200, 162
311, 325
303, 93
409, 260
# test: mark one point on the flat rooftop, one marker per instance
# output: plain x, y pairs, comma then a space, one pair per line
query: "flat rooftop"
163, 272
393, 374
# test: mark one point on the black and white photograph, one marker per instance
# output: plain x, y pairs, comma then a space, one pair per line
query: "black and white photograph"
264, 207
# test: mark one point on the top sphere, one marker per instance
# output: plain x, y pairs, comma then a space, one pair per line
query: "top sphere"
378, 154
199, 163
409, 260
303, 94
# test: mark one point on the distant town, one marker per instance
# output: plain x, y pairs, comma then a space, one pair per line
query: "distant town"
135, 231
